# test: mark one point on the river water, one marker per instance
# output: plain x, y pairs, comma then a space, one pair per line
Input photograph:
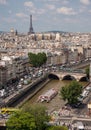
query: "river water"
57, 102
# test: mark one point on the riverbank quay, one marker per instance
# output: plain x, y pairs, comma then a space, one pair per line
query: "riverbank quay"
25, 93
70, 120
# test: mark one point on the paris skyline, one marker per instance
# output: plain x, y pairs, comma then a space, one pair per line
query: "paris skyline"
61, 15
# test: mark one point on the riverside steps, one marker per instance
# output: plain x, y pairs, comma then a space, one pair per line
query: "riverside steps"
19, 97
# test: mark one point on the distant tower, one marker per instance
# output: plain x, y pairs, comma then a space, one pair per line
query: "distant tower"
31, 31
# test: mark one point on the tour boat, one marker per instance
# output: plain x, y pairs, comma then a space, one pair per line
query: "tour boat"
47, 96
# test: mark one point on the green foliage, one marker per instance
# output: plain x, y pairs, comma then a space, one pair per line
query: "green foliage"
71, 92
87, 71
40, 115
21, 121
29, 118
37, 59
58, 128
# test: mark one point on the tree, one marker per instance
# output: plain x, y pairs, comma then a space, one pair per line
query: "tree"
87, 71
71, 92
21, 121
58, 128
37, 59
29, 118
40, 115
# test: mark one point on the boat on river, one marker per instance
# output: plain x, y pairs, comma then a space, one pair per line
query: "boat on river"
48, 96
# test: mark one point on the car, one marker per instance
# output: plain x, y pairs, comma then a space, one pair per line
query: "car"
85, 93
19, 86
80, 98
88, 88
76, 105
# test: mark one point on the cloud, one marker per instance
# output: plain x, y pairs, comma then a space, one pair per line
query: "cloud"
51, 7
29, 4
85, 2
3, 2
21, 15
54, 1
66, 11
49, 0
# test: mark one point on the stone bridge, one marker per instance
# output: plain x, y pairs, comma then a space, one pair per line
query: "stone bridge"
68, 75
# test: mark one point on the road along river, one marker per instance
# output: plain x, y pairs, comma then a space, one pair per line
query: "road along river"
57, 102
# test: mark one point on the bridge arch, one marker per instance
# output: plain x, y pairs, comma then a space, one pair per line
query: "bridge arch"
68, 77
84, 78
53, 76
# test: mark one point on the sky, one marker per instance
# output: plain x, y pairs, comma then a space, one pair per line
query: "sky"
47, 15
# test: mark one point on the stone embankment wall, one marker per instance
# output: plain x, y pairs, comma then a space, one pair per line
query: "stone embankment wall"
28, 92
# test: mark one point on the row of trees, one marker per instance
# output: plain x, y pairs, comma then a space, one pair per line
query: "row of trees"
37, 60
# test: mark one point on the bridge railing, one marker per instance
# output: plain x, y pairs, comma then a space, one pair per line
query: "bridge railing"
71, 70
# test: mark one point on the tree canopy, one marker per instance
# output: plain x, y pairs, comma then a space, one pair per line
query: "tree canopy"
29, 118
71, 92
37, 59
21, 121
58, 128
40, 115
87, 71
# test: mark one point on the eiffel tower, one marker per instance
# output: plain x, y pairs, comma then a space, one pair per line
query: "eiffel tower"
31, 31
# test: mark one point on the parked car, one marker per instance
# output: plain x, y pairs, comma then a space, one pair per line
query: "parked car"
88, 88
85, 93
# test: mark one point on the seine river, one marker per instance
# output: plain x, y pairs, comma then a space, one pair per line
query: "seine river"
56, 103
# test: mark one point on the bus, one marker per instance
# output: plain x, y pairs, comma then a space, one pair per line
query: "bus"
80, 126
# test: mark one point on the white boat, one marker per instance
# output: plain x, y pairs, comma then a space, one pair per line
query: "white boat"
50, 94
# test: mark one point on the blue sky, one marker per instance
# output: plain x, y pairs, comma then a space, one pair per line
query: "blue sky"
62, 15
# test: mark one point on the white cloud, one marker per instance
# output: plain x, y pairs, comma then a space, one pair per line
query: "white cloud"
54, 1
36, 11
50, 0
85, 2
3, 2
51, 7
21, 15
66, 11
28, 4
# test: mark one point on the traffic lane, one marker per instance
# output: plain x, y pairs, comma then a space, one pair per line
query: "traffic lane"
83, 108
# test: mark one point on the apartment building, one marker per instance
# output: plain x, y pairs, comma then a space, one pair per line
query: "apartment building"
12, 68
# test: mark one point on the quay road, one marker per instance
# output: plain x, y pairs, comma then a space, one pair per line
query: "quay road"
26, 92
71, 121
70, 116
65, 120
83, 108
80, 65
